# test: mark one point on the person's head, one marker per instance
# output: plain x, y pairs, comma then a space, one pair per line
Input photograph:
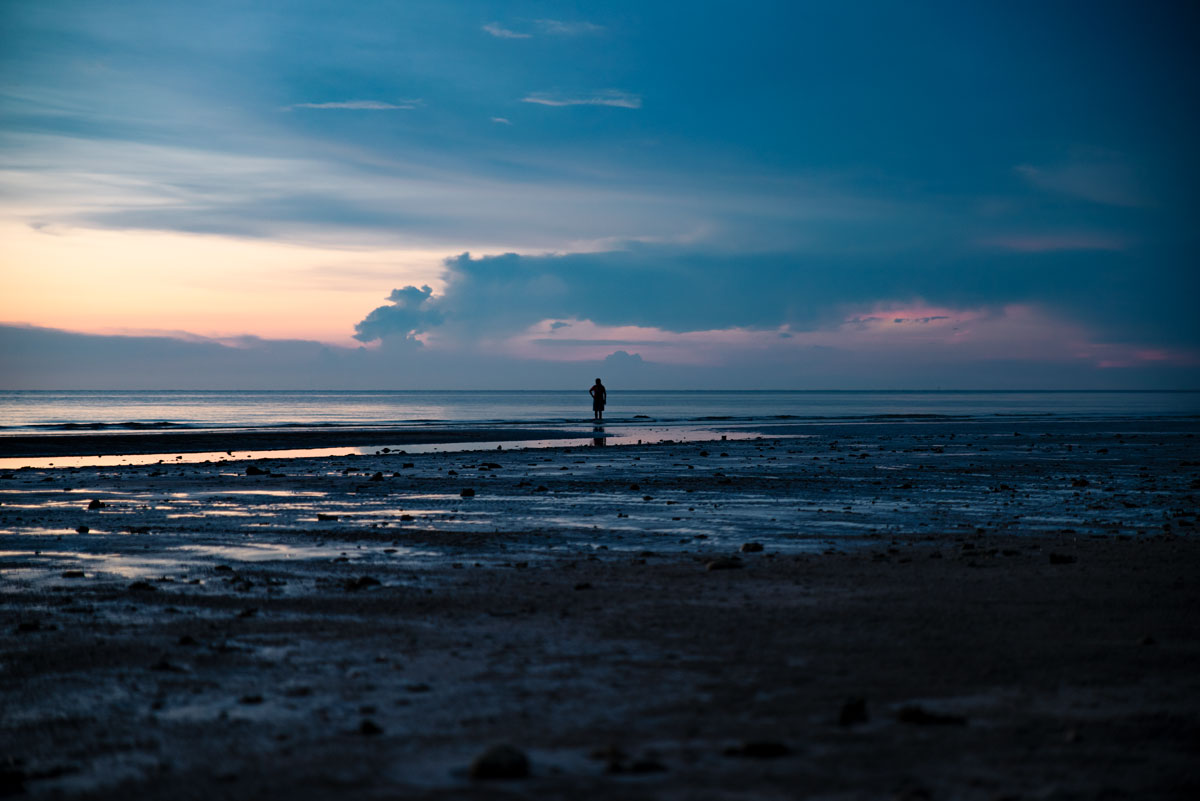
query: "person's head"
597, 381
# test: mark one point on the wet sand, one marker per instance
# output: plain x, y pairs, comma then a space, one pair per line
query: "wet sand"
1012, 604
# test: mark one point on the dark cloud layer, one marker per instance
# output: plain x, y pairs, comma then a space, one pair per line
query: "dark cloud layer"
1130, 297
42, 358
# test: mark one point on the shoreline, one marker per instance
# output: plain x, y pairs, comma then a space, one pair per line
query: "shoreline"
144, 442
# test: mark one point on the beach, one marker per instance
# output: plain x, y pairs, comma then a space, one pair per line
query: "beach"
934, 609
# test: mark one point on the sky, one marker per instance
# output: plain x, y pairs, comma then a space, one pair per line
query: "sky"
845, 195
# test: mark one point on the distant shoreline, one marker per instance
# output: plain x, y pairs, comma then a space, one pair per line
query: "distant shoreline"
108, 444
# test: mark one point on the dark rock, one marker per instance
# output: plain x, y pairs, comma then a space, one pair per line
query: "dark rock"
254, 470
583, 585
223, 569
25, 627
1061, 559
854, 711
635, 487
82, 529
1147, 640
251, 699
759, 749
646, 765
187, 639
72, 574
500, 762
751, 547
419, 687
369, 727
361, 583
142, 586
724, 563
377, 477
920, 716
467, 493
162, 665
248, 612
1080, 482
326, 518
96, 504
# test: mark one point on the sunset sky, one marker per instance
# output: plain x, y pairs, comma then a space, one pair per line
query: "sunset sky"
705, 194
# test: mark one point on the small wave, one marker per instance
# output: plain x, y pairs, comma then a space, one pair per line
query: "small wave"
130, 425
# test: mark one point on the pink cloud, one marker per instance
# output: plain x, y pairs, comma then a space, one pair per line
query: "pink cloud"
890, 333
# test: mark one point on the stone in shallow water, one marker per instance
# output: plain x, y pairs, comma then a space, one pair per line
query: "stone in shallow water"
500, 762
751, 547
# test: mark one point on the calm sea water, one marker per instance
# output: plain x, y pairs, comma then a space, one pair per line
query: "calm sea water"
30, 410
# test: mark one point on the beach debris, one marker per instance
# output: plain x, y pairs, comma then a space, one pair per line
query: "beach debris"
759, 749
254, 470
1061, 559
72, 574
724, 563
854, 711
165, 666
360, 583
751, 547
467, 492
96, 503
500, 762
920, 716
369, 728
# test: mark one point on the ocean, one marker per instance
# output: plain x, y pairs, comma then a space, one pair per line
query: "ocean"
64, 411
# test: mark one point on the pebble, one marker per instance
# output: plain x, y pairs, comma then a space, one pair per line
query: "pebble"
854, 711
500, 762
467, 493
759, 749
751, 547
724, 563
920, 716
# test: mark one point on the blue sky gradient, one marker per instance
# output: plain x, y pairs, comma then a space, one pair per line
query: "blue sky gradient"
734, 183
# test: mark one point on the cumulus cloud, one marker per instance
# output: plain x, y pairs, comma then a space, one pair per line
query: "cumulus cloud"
361, 105
607, 97
500, 32
409, 314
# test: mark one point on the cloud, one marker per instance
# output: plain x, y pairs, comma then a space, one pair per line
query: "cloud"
1103, 179
555, 27
622, 358
1051, 243
360, 105
408, 315
500, 32
607, 97
502, 120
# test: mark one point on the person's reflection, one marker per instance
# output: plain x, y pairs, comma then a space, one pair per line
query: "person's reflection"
598, 436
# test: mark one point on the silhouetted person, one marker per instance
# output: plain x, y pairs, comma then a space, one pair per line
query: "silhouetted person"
599, 396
